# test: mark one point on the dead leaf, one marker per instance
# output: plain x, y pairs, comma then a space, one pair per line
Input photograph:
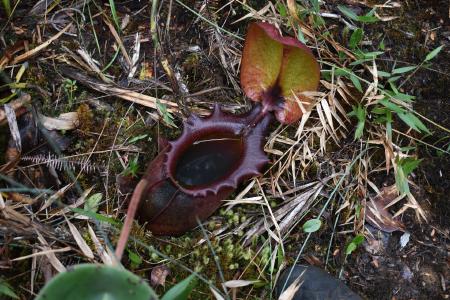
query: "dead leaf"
101, 251
378, 215
158, 275
238, 283
80, 240
65, 121
290, 292
14, 129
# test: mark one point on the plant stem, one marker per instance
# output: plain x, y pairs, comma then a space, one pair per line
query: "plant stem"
131, 212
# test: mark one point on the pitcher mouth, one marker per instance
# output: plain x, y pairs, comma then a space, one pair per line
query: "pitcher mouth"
215, 153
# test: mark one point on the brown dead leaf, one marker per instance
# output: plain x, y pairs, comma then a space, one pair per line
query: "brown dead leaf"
65, 121
377, 214
158, 275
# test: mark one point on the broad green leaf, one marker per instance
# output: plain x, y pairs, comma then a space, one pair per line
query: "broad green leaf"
356, 38
401, 181
360, 113
312, 225
93, 282
394, 78
348, 12
433, 53
7, 290
356, 82
342, 72
92, 202
389, 125
360, 61
281, 9
95, 216
403, 97
403, 70
412, 121
406, 117
261, 62
367, 18
359, 130
350, 248
316, 5
372, 54
409, 164
299, 73
274, 67
383, 74
358, 240
135, 259
181, 290
392, 106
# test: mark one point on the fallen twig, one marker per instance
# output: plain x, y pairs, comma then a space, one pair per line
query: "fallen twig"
15, 105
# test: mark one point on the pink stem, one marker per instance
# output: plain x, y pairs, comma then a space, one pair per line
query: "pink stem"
131, 212
253, 122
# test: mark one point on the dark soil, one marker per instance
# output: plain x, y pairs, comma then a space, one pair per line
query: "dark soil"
421, 270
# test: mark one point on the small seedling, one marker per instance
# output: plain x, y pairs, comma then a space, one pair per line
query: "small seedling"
357, 240
70, 87
132, 168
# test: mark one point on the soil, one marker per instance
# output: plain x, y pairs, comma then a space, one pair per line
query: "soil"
420, 270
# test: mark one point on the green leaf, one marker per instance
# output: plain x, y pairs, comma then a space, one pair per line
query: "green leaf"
356, 82
137, 138
7, 7
383, 74
356, 38
406, 117
372, 54
433, 53
367, 18
167, 116
360, 113
403, 70
403, 97
360, 61
315, 5
135, 259
342, 72
92, 202
280, 256
6, 289
281, 9
358, 240
348, 12
392, 106
181, 290
96, 216
114, 14
401, 181
409, 164
412, 121
312, 225
350, 248
94, 281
